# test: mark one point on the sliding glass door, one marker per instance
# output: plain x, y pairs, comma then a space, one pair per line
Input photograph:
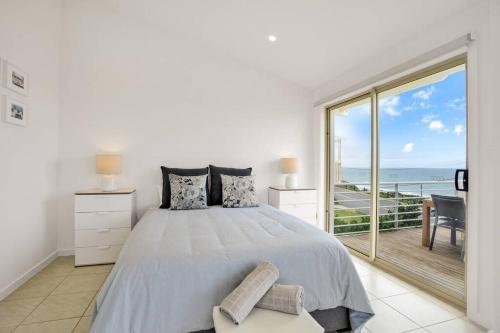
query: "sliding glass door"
351, 173
393, 157
422, 143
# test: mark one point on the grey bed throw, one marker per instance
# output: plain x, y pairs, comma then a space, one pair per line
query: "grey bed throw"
177, 265
238, 304
284, 298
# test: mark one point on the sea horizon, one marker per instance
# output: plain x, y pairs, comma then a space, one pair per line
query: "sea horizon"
442, 176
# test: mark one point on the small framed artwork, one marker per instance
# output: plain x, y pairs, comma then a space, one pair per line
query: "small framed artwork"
16, 112
16, 79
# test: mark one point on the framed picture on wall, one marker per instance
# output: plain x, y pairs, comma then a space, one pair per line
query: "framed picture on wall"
16, 79
16, 112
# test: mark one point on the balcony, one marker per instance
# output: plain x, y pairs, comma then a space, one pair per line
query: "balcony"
400, 225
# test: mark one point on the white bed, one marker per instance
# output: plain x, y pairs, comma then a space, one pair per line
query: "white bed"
177, 265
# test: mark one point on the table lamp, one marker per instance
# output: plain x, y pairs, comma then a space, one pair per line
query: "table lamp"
290, 167
108, 166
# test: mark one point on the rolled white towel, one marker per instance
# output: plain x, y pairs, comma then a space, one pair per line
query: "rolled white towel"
283, 298
238, 304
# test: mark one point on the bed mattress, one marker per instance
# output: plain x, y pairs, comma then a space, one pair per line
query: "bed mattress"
177, 265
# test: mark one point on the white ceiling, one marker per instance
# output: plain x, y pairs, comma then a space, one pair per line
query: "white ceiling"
317, 39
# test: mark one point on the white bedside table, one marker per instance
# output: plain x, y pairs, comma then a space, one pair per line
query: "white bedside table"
103, 221
300, 202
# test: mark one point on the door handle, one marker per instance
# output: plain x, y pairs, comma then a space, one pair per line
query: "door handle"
103, 230
104, 247
465, 180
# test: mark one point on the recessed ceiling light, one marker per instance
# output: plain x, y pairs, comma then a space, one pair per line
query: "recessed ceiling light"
272, 38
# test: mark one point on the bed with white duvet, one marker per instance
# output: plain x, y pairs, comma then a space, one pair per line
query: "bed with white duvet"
177, 265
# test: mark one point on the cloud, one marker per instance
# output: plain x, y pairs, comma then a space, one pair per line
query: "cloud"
458, 129
428, 118
457, 104
389, 104
438, 126
408, 148
410, 108
424, 94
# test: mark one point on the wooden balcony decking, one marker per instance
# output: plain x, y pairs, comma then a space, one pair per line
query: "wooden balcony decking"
403, 248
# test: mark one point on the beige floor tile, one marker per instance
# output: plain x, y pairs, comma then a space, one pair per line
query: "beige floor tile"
38, 286
65, 260
388, 320
381, 286
403, 283
7, 329
57, 307
80, 283
13, 312
90, 308
60, 266
98, 269
83, 326
371, 297
363, 267
422, 308
58, 326
460, 325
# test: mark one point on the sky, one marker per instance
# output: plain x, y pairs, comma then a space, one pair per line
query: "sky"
420, 128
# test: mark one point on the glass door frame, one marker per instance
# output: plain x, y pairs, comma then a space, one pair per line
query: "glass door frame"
375, 160
330, 148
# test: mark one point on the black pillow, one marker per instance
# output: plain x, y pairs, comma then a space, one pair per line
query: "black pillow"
165, 201
216, 181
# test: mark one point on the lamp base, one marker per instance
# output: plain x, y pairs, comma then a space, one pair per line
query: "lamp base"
291, 181
108, 183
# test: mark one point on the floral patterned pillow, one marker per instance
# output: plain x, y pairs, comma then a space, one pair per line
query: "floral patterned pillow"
238, 191
188, 192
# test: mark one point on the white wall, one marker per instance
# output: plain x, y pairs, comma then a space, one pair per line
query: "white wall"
29, 38
158, 99
483, 226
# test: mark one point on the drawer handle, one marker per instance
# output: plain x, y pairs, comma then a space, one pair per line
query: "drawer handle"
103, 230
102, 213
104, 247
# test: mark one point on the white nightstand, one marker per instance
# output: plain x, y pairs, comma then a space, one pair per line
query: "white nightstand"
103, 221
300, 202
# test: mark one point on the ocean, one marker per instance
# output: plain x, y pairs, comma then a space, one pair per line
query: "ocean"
443, 178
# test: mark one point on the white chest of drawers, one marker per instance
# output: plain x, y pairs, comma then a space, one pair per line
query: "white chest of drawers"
103, 221
300, 202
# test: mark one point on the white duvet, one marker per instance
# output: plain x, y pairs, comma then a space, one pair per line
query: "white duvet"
177, 265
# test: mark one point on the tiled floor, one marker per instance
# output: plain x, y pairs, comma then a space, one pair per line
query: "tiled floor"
400, 307
59, 300
56, 300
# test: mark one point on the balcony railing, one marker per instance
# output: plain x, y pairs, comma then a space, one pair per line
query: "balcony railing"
400, 204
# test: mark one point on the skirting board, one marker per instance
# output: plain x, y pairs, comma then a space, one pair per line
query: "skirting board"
28, 275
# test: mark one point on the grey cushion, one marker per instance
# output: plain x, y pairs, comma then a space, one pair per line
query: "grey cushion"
216, 181
165, 201
188, 192
238, 191
283, 298
238, 304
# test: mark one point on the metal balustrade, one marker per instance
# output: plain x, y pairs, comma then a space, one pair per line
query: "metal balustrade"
393, 197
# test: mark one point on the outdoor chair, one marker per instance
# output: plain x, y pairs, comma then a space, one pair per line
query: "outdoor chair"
450, 214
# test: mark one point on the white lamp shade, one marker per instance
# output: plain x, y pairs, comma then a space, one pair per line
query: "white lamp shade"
108, 164
289, 165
